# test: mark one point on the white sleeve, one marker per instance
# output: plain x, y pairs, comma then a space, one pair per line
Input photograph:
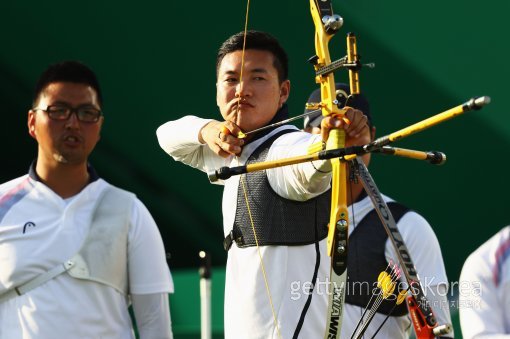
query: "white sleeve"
147, 267
152, 315
481, 315
302, 181
425, 252
179, 138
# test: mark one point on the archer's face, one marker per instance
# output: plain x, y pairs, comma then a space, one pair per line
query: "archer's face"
252, 103
64, 141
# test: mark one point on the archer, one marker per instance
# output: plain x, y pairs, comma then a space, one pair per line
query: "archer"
279, 214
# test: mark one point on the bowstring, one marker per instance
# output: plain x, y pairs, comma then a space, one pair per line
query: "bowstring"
266, 282
245, 191
244, 45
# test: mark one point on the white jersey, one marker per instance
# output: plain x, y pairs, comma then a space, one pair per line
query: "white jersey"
289, 269
484, 290
38, 231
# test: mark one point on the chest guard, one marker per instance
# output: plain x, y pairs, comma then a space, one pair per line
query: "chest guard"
277, 221
103, 255
366, 260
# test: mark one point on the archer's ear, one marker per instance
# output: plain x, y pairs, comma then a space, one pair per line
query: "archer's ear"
284, 92
31, 123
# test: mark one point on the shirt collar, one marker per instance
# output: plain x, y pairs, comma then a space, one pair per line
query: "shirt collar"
93, 176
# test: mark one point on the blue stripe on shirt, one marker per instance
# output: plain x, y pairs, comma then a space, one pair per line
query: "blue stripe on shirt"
8, 200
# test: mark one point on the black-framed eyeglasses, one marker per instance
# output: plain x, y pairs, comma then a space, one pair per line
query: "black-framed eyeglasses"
62, 112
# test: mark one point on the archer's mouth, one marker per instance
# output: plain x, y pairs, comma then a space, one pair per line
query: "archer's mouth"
72, 140
241, 103
245, 104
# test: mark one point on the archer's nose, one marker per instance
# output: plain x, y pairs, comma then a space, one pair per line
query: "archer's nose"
243, 89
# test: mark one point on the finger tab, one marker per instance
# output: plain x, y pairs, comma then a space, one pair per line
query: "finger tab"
225, 130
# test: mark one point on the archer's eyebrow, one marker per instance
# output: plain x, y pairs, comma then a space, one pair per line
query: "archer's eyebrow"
259, 70
230, 73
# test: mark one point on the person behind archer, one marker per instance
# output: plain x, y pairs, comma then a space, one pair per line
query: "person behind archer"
75, 250
484, 289
370, 251
288, 207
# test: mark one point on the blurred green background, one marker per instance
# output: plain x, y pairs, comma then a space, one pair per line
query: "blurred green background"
156, 59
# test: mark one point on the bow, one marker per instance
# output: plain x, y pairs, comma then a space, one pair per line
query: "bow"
422, 317
326, 25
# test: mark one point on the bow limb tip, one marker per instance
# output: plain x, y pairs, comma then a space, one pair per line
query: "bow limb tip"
483, 100
477, 103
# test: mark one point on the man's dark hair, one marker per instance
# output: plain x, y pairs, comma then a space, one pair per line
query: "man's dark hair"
68, 71
257, 40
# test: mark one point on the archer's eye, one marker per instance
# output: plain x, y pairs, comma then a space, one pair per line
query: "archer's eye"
231, 80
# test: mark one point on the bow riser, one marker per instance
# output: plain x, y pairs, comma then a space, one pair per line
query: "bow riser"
326, 24
329, 106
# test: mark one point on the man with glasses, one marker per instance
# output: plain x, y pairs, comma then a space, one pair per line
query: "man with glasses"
75, 250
